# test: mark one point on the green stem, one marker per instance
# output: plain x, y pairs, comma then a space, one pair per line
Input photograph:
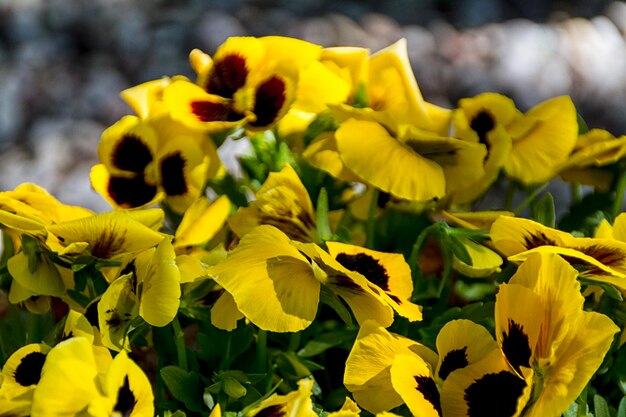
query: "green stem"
510, 193
619, 195
181, 349
225, 363
261, 351
532, 197
294, 342
576, 192
159, 386
34, 328
371, 219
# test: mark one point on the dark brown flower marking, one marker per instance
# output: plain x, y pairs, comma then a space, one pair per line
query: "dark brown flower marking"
516, 346
131, 154
227, 75
269, 99
427, 387
130, 192
367, 266
173, 174
455, 359
494, 395
28, 372
125, 399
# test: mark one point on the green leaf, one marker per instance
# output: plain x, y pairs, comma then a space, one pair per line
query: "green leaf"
326, 341
457, 247
184, 386
621, 410
600, 407
545, 211
321, 212
208, 400
360, 96
332, 300
323, 122
177, 413
582, 125
233, 388
609, 289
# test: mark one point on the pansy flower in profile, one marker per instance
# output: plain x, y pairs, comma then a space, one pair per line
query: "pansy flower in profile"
20, 375
148, 286
541, 140
283, 202
296, 403
108, 235
596, 259
594, 149
546, 335
384, 87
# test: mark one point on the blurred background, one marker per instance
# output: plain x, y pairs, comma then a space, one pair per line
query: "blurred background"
64, 62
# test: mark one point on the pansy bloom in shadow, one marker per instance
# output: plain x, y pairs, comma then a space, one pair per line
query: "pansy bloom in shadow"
283, 202
148, 286
594, 150
296, 403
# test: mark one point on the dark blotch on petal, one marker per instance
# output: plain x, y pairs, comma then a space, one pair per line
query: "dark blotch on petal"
269, 99
455, 359
482, 124
272, 411
130, 192
173, 175
367, 266
227, 76
109, 243
28, 372
428, 388
494, 395
125, 399
537, 239
131, 154
208, 111
515, 346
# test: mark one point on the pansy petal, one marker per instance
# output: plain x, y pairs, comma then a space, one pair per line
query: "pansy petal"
368, 367
460, 343
517, 325
201, 221
485, 388
413, 380
542, 140
266, 265
107, 235
129, 388
225, 314
374, 155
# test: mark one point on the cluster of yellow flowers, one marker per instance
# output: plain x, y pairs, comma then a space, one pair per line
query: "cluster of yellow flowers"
350, 131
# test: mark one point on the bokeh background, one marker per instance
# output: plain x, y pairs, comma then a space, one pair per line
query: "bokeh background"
64, 62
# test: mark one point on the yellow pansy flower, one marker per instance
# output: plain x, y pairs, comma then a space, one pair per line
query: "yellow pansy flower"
599, 259
104, 236
541, 327
283, 202
367, 149
387, 274
593, 150
20, 375
542, 140
368, 367
296, 403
